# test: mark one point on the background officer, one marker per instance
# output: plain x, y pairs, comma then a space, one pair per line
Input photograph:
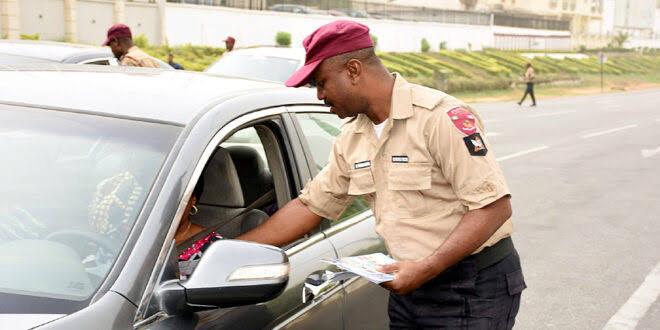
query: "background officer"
440, 199
120, 40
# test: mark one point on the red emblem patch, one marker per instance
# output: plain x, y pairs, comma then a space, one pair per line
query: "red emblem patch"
463, 120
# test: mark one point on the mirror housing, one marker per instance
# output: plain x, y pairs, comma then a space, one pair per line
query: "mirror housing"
230, 273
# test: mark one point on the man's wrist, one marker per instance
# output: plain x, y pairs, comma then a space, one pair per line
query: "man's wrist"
431, 267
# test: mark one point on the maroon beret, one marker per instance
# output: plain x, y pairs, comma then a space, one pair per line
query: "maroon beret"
117, 31
338, 37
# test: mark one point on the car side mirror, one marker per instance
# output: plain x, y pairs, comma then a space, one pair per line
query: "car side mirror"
230, 273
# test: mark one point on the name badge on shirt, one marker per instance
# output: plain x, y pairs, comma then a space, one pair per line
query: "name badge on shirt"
364, 164
399, 159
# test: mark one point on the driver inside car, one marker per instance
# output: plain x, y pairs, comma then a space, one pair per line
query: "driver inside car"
191, 250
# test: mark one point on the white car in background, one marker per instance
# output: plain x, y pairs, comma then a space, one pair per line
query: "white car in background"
274, 64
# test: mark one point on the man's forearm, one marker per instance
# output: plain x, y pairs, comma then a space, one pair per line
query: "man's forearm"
474, 229
289, 223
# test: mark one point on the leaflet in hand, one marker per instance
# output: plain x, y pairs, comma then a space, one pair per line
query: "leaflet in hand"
364, 266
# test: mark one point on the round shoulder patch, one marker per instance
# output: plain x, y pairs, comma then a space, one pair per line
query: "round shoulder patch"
463, 120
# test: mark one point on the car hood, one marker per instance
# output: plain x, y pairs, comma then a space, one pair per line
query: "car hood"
28, 321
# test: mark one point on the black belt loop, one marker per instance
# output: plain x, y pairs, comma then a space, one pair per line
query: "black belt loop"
492, 254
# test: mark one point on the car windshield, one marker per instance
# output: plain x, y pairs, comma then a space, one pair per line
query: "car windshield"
8, 59
72, 187
255, 67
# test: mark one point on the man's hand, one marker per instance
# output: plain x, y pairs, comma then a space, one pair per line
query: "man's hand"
408, 275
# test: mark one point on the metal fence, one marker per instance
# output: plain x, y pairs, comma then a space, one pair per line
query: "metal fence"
366, 9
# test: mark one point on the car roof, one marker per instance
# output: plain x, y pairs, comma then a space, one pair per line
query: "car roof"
48, 50
284, 52
141, 93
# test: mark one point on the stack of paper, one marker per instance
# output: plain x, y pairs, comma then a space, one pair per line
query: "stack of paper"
364, 266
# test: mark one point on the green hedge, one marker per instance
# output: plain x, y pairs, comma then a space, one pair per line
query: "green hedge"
456, 71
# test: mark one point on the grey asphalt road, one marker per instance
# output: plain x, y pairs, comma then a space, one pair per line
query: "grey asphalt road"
584, 173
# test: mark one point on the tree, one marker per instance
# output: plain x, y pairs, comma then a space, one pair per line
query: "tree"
425, 46
620, 39
283, 39
469, 4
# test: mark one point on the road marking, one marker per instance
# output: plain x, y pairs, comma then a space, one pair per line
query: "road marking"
493, 134
647, 153
550, 114
638, 304
524, 152
608, 131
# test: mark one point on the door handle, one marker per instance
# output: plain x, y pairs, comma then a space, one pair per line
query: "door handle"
318, 284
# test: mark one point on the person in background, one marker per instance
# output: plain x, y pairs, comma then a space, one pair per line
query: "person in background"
120, 40
175, 65
229, 43
529, 79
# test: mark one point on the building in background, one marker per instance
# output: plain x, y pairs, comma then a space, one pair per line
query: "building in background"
634, 17
585, 16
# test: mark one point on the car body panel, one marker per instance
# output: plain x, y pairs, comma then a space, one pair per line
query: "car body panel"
209, 108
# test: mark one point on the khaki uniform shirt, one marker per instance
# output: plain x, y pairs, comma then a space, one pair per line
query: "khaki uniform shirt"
136, 57
529, 75
430, 166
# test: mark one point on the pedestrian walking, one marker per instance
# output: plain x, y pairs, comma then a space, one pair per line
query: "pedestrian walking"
419, 158
529, 80
120, 40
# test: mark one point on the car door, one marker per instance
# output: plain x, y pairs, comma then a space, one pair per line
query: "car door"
353, 233
308, 301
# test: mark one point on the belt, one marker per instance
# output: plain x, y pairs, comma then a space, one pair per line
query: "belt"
492, 254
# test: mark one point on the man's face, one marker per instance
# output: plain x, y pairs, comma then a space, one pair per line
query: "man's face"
334, 87
116, 48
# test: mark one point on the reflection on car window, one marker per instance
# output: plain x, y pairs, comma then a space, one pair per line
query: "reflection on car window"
320, 131
70, 194
255, 67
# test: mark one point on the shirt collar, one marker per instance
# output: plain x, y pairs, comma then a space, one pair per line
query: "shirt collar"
401, 105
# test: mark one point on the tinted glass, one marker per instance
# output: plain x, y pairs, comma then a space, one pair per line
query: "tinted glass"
255, 67
72, 188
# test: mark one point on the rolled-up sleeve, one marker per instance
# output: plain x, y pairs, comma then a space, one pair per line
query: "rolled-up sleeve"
476, 178
327, 193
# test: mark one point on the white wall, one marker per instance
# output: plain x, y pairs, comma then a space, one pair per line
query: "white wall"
94, 18
45, 17
210, 25
143, 19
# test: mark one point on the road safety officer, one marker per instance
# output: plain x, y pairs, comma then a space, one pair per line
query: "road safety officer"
421, 159
120, 40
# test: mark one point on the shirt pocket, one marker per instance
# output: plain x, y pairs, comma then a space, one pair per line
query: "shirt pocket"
361, 182
405, 183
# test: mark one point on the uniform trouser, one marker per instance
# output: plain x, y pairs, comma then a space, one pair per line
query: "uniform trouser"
463, 298
529, 90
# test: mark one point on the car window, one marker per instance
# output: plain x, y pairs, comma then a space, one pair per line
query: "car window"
71, 192
320, 131
255, 67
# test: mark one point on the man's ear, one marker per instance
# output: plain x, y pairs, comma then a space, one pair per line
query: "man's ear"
354, 68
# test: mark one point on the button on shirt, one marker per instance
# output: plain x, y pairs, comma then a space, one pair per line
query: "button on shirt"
136, 57
429, 167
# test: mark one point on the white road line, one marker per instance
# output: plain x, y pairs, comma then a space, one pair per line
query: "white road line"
647, 153
524, 152
608, 131
638, 304
551, 114
492, 134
